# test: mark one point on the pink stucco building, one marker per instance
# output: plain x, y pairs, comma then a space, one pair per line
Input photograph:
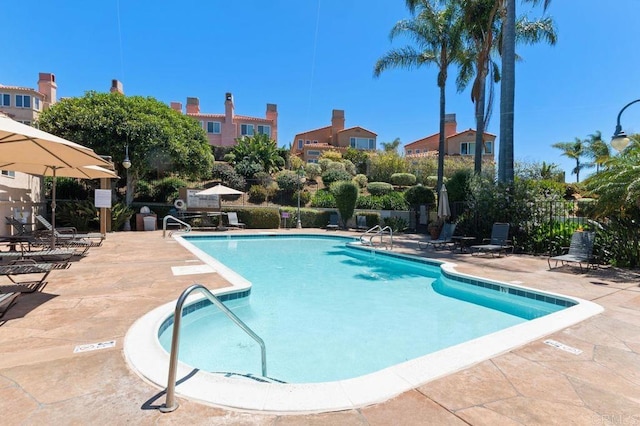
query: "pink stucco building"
456, 143
223, 129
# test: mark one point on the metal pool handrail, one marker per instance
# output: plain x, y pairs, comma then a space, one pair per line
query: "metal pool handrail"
380, 232
170, 403
164, 224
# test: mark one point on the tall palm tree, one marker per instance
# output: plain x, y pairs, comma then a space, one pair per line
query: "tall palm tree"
598, 149
507, 86
435, 33
574, 150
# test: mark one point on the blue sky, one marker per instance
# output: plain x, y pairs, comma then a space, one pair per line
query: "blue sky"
310, 57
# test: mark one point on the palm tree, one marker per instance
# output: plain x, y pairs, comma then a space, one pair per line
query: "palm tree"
575, 150
598, 149
436, 34
507, 86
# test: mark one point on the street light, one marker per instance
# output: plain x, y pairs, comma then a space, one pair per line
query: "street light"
126, 163
620, 139
301, 179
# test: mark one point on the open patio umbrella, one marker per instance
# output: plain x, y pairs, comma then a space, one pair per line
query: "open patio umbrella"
29, 150
219, 190
443, 203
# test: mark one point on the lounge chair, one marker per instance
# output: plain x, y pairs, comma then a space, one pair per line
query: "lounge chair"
580, 251
333, 222
232, 217
26, 267
498, 243
6, 301
58, 256
71, 233
443, 240
361, 223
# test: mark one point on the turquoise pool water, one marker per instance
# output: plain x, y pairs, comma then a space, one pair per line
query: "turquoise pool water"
329, 312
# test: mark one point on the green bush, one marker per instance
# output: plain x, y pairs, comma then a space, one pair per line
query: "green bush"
288, 180
323, 198
166, 190
361, 180
259, 218
346, 194
69, 189
417, 195
309, 218
431, 181
143, 191
403, 179
335, 175
397, 224
305, 197
120, 213
373, 219
458, 187
82, 215
312, 170
228, 176
257, 194
379, 188
393, 201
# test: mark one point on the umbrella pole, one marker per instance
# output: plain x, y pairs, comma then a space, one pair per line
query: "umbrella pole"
53, 211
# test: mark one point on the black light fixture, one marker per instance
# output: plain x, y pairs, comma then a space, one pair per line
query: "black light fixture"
620, 140
126, 163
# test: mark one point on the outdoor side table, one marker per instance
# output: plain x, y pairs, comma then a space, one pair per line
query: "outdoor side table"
463, 243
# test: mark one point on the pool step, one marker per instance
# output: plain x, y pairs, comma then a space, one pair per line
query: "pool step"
261, 379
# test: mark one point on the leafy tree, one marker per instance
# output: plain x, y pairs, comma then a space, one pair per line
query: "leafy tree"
419, 194
391, 146
574, 150
597, 149
346, 195
332, 155
253, 154
107, 122
384, 164
228, 176
358, 157
436, 34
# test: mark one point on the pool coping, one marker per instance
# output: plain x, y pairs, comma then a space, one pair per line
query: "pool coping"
147, 358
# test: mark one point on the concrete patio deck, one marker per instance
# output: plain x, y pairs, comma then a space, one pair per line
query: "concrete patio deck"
42, 380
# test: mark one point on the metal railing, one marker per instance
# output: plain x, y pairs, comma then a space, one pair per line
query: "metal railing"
375, 232
170, 403
178, 221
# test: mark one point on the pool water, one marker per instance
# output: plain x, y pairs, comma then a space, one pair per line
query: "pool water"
330, 312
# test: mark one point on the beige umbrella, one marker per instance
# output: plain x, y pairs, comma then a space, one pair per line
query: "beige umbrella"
24, 148
219, 190
443, 203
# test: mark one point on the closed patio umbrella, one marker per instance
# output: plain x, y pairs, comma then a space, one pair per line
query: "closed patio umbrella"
29, 150
443, 203
219, 190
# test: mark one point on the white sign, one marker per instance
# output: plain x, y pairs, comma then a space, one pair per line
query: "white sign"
94, 346
563, 347
202, 201
103, 198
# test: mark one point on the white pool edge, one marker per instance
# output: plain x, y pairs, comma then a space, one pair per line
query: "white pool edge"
146, 357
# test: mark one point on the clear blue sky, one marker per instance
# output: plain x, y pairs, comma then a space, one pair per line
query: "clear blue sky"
310, 57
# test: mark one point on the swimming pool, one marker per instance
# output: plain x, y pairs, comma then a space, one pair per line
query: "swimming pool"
374, 382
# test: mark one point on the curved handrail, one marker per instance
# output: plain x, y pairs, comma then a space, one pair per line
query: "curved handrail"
170, 402
380, 232
164, 224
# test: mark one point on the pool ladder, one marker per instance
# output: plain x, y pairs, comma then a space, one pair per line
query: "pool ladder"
176, 221
377, 231
170, 403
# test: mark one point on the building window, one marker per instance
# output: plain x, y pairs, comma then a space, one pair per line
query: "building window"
312, 160
315, 141
27, 122
213, 127
5, 99
36, 103
469, 148
264, 130
363, 143
313, 153
307, 142
8, 173
23, 101
409, 151
201, 123
417, 151
246, 129
300, 143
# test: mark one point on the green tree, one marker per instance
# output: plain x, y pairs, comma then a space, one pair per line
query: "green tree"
253, 154
346, 195
384, 164
107, 122
359, 158
391, 146
436, 33
574, 150
598, 150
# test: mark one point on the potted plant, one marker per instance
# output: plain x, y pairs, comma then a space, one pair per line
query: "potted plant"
434, 228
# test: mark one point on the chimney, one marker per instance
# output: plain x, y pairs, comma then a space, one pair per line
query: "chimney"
193, 106
176, 106
450, 125
48, 87
337, 124
272, 115
116, 86
229, 132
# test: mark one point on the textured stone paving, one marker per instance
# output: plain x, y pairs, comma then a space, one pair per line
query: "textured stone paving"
42, 380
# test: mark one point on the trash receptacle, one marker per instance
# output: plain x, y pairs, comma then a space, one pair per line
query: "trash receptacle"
149, 223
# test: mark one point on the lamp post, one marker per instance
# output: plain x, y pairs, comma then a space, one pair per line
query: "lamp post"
126, 163
300, 173
620, 140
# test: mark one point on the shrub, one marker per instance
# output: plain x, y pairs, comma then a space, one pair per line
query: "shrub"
324, 163
309, 218
379, 188
70, 189
361, 180
305, 197
336, 166
419, 194
431, 181
346, 194
403, 179
167, 189
330, 176
120, 213
397, 224
263, 178
458, 186
394, 201
324, 199
332, 155
288, 180
349, 167
259, 218
312, 170
228, 176
257, 194
143, 191
373, 219
78, 214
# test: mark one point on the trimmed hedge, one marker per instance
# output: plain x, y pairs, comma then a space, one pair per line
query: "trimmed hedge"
309, 218
403, 179
379, 188
260, 218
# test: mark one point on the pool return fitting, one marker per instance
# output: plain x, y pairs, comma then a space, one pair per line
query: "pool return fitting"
170, 403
